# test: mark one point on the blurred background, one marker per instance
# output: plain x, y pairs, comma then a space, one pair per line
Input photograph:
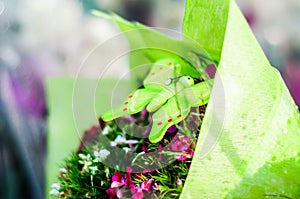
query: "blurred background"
51, 38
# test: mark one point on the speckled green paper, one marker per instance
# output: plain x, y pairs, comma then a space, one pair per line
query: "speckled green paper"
257, 151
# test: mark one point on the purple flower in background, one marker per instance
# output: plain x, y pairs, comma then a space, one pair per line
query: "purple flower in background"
250, 17
27, 88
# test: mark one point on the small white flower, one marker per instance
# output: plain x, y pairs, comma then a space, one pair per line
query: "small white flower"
106, 130
55, 189
107, 172
63, 170
82, 156
126, 149
122, 140
53, 192
93, 169
56, 186
101, 155
86, 160
113, 144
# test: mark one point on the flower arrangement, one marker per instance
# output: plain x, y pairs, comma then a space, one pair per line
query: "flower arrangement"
248, 138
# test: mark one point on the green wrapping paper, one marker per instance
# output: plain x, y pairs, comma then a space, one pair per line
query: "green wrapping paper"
249, 142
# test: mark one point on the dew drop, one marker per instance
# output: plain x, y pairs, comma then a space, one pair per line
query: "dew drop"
269, 165
168, 81
295, 153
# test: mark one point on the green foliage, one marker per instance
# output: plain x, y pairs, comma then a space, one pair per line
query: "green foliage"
76, 183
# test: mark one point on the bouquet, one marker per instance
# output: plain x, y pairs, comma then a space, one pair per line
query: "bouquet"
187, 130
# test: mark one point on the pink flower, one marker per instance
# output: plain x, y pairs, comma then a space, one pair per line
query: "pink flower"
144, 148
120, 193
146, 171
181, 157
185, 140
146, 185
159, 147
128, 169
176, 146
186, 155
179, 181
138, 194
117, 177
110, 192
181, 145
128, 180
117, 180
191, 153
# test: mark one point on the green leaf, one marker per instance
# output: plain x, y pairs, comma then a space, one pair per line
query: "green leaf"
147, 45
248, 146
